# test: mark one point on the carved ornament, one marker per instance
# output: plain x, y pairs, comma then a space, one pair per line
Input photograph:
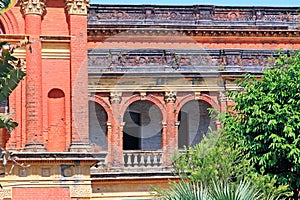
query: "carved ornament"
33, 7
170, 97
77, 7
115, 97
80, 191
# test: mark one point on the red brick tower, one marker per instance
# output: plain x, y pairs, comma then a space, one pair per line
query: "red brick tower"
51, 104
54, 94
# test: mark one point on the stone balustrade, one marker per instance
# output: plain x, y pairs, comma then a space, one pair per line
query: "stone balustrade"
146, 159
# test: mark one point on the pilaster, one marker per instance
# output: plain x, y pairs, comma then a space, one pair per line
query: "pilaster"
171, 132
33, 12
76, 11
115, 153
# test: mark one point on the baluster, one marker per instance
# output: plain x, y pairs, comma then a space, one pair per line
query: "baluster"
155, 160
129, 162
142, 162
149, 159
160, 158
135, 160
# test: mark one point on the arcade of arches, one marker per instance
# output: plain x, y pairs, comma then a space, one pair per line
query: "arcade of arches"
140, 122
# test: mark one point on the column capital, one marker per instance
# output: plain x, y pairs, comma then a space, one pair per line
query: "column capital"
222, 96
33, 7
77, 7
170, 96
115, 97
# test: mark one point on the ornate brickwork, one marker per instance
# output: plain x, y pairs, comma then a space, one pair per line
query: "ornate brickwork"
77, 7
35, 7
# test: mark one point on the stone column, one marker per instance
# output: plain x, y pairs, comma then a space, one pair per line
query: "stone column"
171, 136
223, 106
223, 101
108, 144
33, 12
76, 11
115, 153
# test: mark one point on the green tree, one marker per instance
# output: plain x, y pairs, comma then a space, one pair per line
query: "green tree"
215, 160
10, 75
265, 124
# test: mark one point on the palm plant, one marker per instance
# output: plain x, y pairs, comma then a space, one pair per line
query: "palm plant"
185, 191
217, 191
231, 191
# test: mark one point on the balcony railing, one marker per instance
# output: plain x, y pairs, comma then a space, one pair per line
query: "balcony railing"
147, 159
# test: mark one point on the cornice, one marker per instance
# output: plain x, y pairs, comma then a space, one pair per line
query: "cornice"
125, 32
195, 35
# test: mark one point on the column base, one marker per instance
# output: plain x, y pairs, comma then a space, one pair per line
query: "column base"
80, 147
34, 148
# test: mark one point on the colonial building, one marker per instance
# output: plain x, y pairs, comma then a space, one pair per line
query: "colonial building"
112, 91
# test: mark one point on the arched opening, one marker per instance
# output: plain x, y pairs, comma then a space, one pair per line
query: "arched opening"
194, 121
142, 130
56, 121
97, 127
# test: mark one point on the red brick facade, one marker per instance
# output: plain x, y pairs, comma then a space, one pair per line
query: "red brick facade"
148, 75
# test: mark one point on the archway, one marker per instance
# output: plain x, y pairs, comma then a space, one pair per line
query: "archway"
194, 121
97, 127
143, 129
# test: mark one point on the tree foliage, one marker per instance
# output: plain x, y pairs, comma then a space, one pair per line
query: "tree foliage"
216, 160
10, 75
265, 124
212, 159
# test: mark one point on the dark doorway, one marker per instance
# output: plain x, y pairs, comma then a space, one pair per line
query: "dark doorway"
194, 121
97, 127
142, 130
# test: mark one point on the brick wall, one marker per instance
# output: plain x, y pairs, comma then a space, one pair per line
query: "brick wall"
41, 193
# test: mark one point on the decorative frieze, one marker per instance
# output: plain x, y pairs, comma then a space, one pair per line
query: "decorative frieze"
33, 7
170, 96
45, 172
77, 7
110, 60
116, 97
190, 15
